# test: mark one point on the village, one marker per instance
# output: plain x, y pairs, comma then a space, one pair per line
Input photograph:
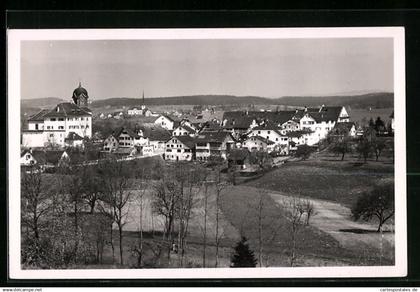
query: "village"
52, 135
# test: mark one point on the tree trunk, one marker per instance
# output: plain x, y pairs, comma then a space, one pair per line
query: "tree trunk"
121, 244
112, 245
205, 228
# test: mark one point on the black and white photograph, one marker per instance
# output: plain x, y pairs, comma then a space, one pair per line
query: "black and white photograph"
207, 153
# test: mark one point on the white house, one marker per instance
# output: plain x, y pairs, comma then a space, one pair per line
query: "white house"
258, 143
183, 130
165, 122
213, 144
121, 138
54, 126
180, 148
281, 141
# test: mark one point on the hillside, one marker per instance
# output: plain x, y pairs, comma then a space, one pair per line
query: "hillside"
44, 102
181, 100
374, 100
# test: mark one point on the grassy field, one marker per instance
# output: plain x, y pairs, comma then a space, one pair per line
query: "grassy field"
314, 247
326, 178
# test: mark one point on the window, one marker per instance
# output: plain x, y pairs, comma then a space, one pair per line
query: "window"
82, 118
61, 127
52, 119
61, 119
259, 132
28, 156
179, 150
268, 132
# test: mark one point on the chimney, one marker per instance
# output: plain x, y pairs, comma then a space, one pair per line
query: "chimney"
322, 106
306, 109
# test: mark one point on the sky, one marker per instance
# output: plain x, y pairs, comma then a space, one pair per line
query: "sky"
264, 67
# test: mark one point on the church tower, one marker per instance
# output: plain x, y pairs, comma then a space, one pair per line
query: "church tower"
80, 96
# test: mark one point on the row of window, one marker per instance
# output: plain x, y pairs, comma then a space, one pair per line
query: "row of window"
69, 119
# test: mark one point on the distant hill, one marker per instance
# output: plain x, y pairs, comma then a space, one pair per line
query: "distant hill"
44, 102
375, 100
181, 100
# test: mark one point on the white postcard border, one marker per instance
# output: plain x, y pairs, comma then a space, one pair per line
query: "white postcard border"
13, 142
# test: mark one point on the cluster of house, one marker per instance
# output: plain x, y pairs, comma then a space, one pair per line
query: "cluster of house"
68, 124
280, 132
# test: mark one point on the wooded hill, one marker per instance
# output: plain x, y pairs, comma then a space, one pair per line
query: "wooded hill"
374, 100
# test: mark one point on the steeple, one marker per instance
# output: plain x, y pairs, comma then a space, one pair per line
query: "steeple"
143, 97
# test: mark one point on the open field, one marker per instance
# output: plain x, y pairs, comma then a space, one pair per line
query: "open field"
326, 178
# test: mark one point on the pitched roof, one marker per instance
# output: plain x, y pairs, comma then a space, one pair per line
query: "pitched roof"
268, 128
47, 156
298, 133
155, 133
262, 139
67, 109
72, 136
241, 119
212, 136
119, 131
39, 116
187, 141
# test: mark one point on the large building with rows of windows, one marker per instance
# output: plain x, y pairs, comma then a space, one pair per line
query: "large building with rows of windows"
61, 125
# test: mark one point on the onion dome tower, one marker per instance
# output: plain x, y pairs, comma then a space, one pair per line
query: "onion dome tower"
80, 96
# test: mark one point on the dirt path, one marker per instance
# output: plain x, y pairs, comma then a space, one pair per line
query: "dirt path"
335, 220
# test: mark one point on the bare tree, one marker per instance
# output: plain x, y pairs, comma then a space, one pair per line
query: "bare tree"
204, 228
116, 197
35, 201
220, 185
295, 215
164, 202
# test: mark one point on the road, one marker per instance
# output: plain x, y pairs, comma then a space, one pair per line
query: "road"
335, 220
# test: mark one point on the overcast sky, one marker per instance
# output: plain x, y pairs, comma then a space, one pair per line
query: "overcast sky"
269, 68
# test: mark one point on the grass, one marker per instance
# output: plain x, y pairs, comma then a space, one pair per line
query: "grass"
314, 247
326, 178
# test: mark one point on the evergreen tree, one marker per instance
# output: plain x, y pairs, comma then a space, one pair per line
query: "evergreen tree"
243, 256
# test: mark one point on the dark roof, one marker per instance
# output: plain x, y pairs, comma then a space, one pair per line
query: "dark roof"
47, 156
80, 91
298, 133
39, 116
67, 109
72, 136
265, 140
119, 130
187, 141
241, 119
321, 114
212, 136
268, 128
155, 133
